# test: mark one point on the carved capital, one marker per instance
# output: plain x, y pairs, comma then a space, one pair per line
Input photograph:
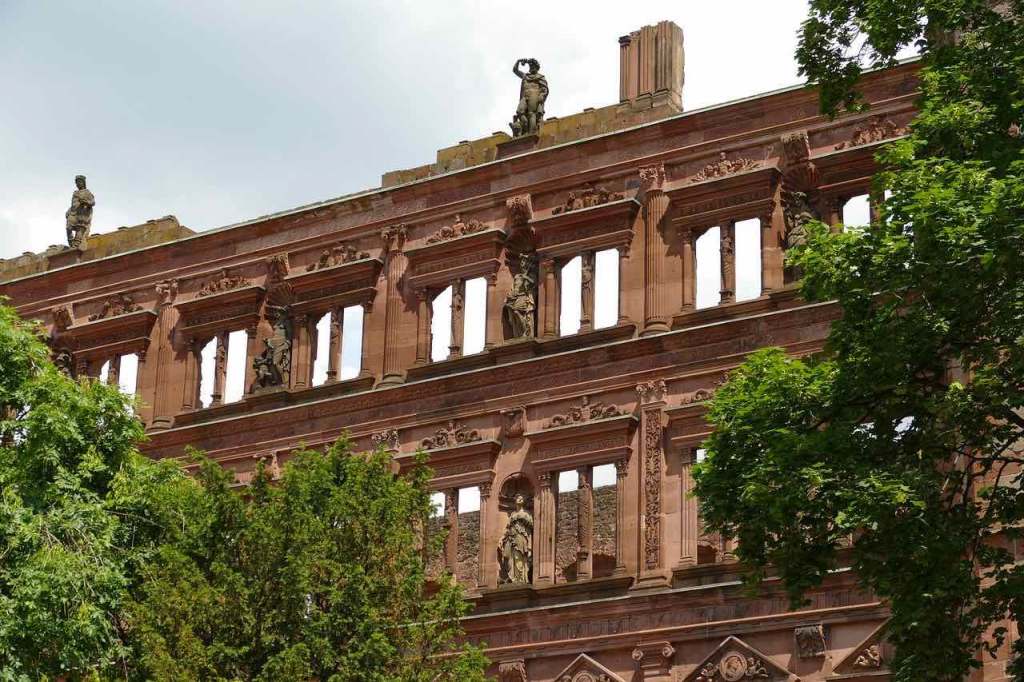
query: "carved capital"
277, 267
387, 440
652, 178
166, 292
520, 210
512, 671
393, 237
515, 422
62, 318
651, 391
654, 658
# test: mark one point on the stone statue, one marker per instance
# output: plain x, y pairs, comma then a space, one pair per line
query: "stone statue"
79, 216
533, 92
520, 303
516, 549
797, 212
273, 365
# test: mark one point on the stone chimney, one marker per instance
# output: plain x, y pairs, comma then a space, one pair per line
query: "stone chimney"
651, 67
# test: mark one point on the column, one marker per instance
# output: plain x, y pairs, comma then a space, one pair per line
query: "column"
458, 318
621, 468
624, 85
773, 255
251, 351
451, 521
394, 240
493, 336
549, 299
334, 344
190, 395
651, 484
301, 352
114, 371
585, 523
727, 254
544, 532
689, 269
485, 574
688, 523
587, 291
655, 206
423, 312
364, 351
220, 368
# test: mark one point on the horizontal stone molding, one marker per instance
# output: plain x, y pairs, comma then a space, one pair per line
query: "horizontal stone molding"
109, 336
597, 441
605, 226
204, 316
749, 194
351, 283
458, 466
439, 264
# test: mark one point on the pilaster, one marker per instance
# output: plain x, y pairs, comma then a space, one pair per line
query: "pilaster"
652, 571
394, 242
544, 532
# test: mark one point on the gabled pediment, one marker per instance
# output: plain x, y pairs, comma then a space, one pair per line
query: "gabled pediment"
870, 658
734, 660
586, 669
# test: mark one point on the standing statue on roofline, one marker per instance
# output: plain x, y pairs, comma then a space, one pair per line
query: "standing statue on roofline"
79, 217
533, 92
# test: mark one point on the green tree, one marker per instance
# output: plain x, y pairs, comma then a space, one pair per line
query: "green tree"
906, 432
80, 511
320, 575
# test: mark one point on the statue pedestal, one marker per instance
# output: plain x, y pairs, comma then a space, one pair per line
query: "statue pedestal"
517, 145
68, 256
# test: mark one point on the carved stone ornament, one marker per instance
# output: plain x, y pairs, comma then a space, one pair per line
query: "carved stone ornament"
869, 658
876, 128
533, 93
520, 210
273, 364
585, 198
654, 658
651, 391
78, 218
222, 283
652, 177
456, 229
62, 318
585, 411
64, 362
809, 641
515, 422
278, 267
586, 669
519, 310
797, 169
515, 550
723, 167
385, 439
512, 671
118, 304
166, 292
337, 255
449, 436
393, 237
698, 396
653, 455
734, 660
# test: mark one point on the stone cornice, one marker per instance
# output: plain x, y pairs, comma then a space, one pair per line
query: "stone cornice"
205, 315
118, 334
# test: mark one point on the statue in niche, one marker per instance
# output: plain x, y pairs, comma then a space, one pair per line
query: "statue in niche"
521, 303
728, 255
533, 92
798, 213
516, 548
78, 218
273, 365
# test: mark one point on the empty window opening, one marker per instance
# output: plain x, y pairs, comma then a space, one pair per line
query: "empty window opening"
604, 519
441, 326
435, 527
748, 259
571, 292
128, 376
709, 269
467, 570
234, 384
857, 211
567, 527
104, 371
606, 288
321, 359
206, 371
351, 342
474, 330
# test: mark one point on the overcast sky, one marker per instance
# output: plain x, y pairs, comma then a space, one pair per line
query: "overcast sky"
218, 112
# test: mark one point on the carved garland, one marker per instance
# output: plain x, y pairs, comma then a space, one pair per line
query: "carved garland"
586, 411
221, 284
875, 129
587, 197
453, 434
118, 304
338, 255
723, 167
456, 229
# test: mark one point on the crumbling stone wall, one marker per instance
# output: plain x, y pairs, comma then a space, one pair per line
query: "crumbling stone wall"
566, 533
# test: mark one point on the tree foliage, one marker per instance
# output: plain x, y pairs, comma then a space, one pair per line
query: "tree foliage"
319, 576
80, 512
905, 434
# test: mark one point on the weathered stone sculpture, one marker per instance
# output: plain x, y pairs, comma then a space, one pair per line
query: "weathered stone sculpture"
79, 216
516, 549
273, 365
533, 92
521, 303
